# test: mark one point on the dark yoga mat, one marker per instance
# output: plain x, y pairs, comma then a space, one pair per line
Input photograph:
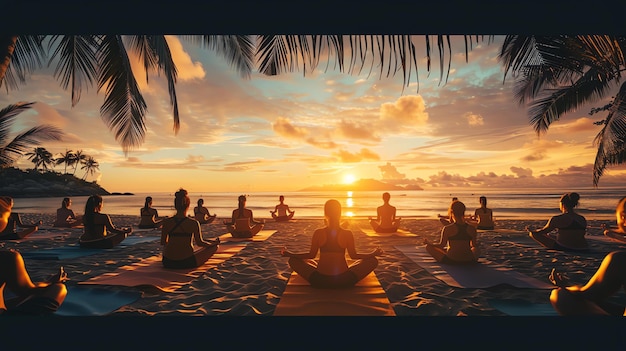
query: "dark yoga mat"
75, 251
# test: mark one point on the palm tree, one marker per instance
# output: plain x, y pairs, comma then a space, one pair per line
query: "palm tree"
83, 60
67, 159
10, 151
79, 158
559, 74
90, 165
41, 157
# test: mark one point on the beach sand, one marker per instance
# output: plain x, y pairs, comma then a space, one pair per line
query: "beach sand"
252, 281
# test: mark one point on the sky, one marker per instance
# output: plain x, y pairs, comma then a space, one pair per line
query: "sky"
293, 131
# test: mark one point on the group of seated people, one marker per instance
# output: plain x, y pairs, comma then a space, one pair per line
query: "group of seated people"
458, 245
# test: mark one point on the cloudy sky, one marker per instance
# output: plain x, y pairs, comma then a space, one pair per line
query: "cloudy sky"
290, 132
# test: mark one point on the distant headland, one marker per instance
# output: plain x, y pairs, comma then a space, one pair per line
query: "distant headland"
362, 185
19, 184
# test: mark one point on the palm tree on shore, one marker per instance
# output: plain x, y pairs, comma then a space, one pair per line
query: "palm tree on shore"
41, 157
560, 74
90, 165
11, 150
79, 158
67, 159
103, 59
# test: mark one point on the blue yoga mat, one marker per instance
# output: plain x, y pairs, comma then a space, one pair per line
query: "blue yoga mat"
89, 301
75, 251
518, 307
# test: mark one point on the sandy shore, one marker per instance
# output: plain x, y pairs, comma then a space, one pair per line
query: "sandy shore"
252, 281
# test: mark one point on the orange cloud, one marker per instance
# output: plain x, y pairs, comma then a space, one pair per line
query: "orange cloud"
282, 126
348, 157
186, 68
583, 124
474, 119
357, 131
407, 110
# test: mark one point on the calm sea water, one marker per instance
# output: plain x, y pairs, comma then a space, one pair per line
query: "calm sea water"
506, 203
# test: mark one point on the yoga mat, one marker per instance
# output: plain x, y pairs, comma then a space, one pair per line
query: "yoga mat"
41, 235
518, 307
75, 251
400, 233
366, 298
260, 236
150, 272
481, 275
92, 301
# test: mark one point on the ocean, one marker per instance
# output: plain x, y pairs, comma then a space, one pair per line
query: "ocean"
524, 204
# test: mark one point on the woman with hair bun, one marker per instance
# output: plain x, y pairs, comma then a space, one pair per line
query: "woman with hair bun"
570, 226
179, 232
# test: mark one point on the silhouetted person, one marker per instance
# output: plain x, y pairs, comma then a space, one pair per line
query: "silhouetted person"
332, 242
570, 226
459, 237
178, 235
66, 218
201, 213
282, 212
386, 221
149, 216
483, 215
242, 224
99, 231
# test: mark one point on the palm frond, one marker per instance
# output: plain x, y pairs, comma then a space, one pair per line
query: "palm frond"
165, 64
26, 140
124, 108
7, 116
77, 63
611, 140
238, 50
28, 55
545, 110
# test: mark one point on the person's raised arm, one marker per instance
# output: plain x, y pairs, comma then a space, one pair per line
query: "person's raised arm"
443, 239
111, 227
312, 250
615, 234
350, 247
23, 283
197, 235
546, 229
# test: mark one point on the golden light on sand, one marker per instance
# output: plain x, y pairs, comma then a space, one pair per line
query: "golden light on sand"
349, 179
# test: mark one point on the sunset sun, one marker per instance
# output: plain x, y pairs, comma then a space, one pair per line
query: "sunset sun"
349, 179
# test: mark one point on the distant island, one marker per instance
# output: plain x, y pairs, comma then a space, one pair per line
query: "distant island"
19, 184
363, 185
